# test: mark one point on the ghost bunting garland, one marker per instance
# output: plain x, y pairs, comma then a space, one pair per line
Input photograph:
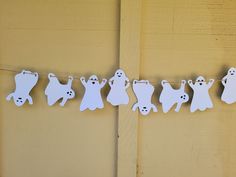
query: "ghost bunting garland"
117, 95
201, 98
118, 83
169, 96
92, 97
229, 83
143, 91
55, 90
24, 81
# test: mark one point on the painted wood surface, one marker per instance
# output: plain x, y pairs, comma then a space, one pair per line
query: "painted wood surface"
130, 23
149, 39
67, 38
181, 40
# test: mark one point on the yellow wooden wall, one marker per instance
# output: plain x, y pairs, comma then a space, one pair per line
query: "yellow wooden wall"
183, 39
150, 39
78, 37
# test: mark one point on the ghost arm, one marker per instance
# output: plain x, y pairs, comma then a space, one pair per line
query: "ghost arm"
8, 98
224, 80
82, 79
163, 82
127, 83
179, 104
190, 83
210, 83
29, 98
63, 102
154, 108
103, 83
110, 82
135, 106
69, 83
183, 83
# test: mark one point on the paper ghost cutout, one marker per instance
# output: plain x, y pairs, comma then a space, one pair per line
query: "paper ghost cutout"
55, 90
92, 97
229, 82
143, 91
201, 98
170, 96
25, 81
118, 83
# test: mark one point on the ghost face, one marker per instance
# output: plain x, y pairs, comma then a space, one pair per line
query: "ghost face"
119, 73
144, 110
232, 72
19, 101
93, 81
184, 98
200, 81
70, 93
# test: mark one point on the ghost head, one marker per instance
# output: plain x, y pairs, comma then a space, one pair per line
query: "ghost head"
184, 98
144, 110
70, 94
19, 101
93, 81
232, 72
200, 81
120, 74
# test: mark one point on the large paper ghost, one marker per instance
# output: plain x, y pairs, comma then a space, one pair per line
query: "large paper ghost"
143, 91
169, 96
201, 98
118, 83
229, 82
55, 90
25, 81
92, 97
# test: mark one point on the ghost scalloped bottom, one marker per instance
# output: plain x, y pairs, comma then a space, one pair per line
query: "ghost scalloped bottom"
201, 98
92, 97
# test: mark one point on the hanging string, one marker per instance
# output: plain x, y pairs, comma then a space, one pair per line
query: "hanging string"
78, 78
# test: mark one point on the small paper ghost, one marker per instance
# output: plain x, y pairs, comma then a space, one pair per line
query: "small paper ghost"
170, 96
92, 97
201, 98
229, 82
118, 83
55, 90
143, 91
25, 81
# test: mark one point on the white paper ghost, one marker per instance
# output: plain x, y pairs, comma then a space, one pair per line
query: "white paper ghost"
92, 97
55, 90
143, 91
229, 82
118, 83
170, 96
201, 98
24, 81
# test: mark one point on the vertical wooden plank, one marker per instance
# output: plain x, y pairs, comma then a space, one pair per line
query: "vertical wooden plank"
130, 23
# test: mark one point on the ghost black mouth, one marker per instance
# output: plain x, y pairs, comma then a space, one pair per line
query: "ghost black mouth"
93, 82
119, 75
200, 83
232, 74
